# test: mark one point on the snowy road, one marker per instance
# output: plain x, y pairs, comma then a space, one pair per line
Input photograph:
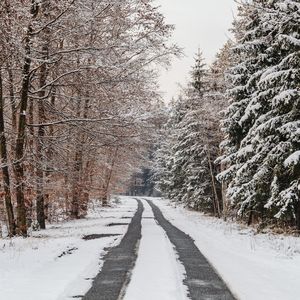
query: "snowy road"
111, 282
156, 260
201, 278
157, 274
60, 264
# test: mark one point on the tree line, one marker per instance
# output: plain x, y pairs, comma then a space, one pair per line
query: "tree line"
231, 145
78, 102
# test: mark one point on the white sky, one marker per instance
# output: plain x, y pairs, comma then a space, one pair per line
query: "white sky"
199, 23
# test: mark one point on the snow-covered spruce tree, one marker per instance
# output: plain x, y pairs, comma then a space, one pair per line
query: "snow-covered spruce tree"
273, 138
162, 158
264, 166
189, 168
168, 182
216, 103
241, 82
188, 173
204, 117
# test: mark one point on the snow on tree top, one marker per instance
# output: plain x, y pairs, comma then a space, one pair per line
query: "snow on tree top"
293, 159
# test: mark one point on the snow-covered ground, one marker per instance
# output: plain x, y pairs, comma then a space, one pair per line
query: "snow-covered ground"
157, 273
255, 266
57, 263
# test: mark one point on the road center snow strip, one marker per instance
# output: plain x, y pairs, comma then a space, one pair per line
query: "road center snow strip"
202, 280
157, 275
114, 276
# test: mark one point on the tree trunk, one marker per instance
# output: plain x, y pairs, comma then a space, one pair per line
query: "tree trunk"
109, 177
213, 181
297, 213
77, 167
49, 153
224, 197
20, 142
12, 99
5, 171
78, 164
250, 218
40, 213
40, 197
76, 186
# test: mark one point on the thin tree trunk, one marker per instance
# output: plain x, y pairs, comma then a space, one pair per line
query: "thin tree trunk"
31, 121
298, 216
40, 197
77, 167
20, 144
40, 201
5, 171
51, 130
12, 99
213, 181
76, 186
250, 218
30, 168
78, 164
106, 189
224, 197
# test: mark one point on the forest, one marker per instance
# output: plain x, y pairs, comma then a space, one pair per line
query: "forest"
231, 144
81, 111
79, 103
118, 182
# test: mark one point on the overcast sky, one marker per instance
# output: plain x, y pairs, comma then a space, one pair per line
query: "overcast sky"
199, 23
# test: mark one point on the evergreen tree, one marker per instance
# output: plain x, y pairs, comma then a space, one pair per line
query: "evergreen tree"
242, 80
263, 119
163, 154
191, 146
198, 74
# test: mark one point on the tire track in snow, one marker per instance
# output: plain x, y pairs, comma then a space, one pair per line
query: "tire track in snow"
202, 280
115, 274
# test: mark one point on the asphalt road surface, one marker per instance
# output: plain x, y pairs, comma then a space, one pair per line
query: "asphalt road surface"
111, 282
201, 279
